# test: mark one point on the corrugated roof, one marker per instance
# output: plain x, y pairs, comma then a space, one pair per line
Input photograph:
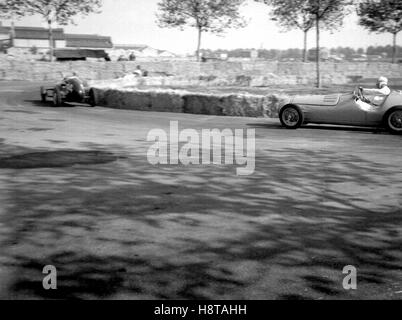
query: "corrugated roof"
137, 47
73, 40
4, 30
79, 53
37, 33
33, 33
88, 41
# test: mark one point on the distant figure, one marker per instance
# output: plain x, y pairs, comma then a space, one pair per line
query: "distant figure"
138, 72
122, 58
132, 57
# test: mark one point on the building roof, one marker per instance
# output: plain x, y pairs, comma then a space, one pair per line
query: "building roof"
36, 33
73, 40
136, 47
33, 33
70, 54
4, 30
88, 41
165, 52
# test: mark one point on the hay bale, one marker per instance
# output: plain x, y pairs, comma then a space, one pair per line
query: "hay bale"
167, 101
203, 104
127, 100
238, 105
243, 105
272, 104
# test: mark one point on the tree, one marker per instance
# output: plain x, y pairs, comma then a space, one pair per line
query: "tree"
4, 9
205, 15
9, 10
382, 16
61, 12
290, 15
305, 14
330, 13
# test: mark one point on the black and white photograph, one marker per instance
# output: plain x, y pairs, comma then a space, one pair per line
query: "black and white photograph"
200, 150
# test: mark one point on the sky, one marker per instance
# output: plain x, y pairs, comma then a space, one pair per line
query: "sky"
134, 22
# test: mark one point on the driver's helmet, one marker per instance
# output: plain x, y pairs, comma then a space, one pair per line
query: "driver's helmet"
382, 81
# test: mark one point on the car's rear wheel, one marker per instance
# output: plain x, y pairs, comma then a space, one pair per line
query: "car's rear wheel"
43, 94
57, 100
291, 117
393, 121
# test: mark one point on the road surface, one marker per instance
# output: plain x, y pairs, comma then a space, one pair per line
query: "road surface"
82, 196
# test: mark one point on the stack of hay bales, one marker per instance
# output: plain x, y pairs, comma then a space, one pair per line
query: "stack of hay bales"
182, 101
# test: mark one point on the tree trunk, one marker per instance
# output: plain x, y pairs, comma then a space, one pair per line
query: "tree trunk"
305, 46
51, 41
318, 52
394, 48
12, 35
198, 53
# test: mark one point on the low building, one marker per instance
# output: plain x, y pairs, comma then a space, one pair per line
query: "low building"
312, 54
24, 39
70, 54
28, 37
166, 54
4, 32
140, 50
87, 41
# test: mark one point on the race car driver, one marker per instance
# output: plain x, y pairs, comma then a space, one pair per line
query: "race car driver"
378, 95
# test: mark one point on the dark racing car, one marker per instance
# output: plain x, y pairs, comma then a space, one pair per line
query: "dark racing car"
71, 90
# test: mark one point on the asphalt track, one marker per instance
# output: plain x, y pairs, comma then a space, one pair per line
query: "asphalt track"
115, 226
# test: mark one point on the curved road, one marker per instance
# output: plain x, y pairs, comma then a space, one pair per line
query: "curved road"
114, 226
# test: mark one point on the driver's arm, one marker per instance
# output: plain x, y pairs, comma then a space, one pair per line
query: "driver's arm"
384, 91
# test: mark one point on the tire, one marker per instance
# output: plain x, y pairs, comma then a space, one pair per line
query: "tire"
393, 120
291, 117
92, 98
43, 94
57, 100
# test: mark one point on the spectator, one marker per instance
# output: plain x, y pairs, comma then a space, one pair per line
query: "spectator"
122, 58
132, 57
138, 72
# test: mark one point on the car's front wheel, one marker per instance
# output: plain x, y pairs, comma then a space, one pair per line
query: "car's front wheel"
393, 121
291, 117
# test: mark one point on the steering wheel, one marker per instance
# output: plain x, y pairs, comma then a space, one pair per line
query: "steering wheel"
358, 93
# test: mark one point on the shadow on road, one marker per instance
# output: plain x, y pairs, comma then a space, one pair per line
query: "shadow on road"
128, 229
319, 127
49, 104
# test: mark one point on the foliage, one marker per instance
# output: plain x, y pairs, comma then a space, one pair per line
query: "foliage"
206, 15
7, 8
60, 11
381, 16
302, 14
